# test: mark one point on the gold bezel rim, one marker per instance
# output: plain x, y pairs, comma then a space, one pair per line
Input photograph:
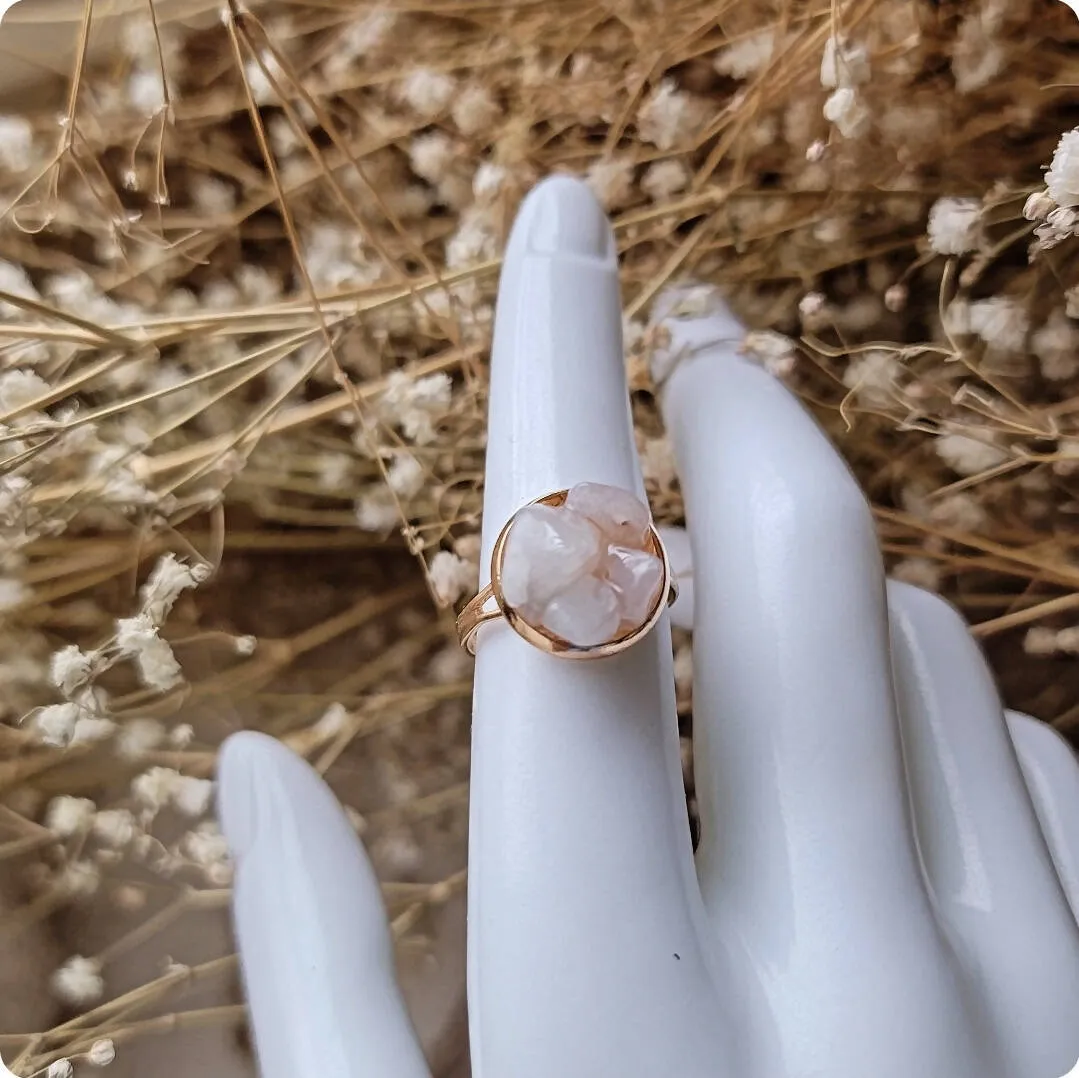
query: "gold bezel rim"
539, 638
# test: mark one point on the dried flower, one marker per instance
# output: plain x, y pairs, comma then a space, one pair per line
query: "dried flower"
157, 667
1062, 179
405, 475
431, 155
474, 109
206, 845
16, 144
488, 181
843, 64
1001, 322
376, 512
90, 728
245, 645
667, 116
664, 179
153, 789
55, 724
71, 669
138, 737
746, 56
895, 298
101, 1053
360, 39
451, 576
60, 1068
427, 92
414, 404
844, 108
332, 721
954, 225
920, 572
1040, 640
260, 78
164, 585
978, 56
19, 388
1056, 344
612, 182
114, 827
871, 376
212, 196
79, 879
181, 736
967, 455
775, 352
192, 796
146, 91
1038, 206
78, 980
67, 816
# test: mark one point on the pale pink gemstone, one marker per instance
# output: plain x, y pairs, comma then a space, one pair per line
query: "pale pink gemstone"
585, 614
622, 517
548, 549
636, 576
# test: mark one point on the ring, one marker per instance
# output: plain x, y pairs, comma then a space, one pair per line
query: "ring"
581, 573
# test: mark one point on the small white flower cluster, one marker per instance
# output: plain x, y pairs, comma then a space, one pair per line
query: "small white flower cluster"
476, 238
776, 353
451, 576
954, 225
474, 109
358, 41
872, 377
1055, 209
664, 179
336, 257
1001, 321
82, 717
427, 92
1062, 177
845, 68
18, 152
160, 787
415, 405
921, 572
261, 78
968, 455
668, 117
978, 54
1056, 344
1043, 641
611, 179
746, 56
78, 981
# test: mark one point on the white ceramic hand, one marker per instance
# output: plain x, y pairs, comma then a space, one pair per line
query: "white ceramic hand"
826, 929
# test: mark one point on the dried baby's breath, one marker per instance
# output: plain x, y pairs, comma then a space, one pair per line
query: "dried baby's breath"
247, 288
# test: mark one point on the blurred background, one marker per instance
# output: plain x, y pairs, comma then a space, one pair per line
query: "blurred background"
248, 260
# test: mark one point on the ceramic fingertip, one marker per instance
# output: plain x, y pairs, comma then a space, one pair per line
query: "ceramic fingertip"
561, 216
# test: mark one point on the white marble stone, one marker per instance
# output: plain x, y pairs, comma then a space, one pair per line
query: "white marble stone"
636, 576
623, 518
548, 548
586, 614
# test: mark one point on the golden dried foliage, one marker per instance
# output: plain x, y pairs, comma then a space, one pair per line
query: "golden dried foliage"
247, 282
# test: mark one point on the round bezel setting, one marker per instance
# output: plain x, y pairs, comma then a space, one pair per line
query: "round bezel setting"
541, 637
